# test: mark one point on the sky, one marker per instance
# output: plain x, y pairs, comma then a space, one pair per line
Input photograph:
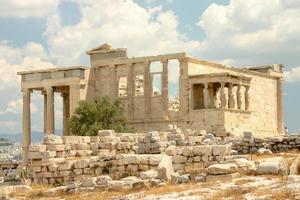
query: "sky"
38, 34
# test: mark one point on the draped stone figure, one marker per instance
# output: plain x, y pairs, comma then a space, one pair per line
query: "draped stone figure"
247, 98
217, 99
231, 97
223, 96
239, 97
206, 96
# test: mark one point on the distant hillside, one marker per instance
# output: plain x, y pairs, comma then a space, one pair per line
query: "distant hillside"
36, 137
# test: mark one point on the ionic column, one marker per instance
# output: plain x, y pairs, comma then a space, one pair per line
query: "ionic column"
44, 93
223, 96
247, 97
239, 96
165, 89
26, 124
148, 90
50, 111
231, 96
184, 89
206, 96
130, 91
66, 113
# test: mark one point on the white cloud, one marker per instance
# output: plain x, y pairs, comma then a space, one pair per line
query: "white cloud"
292, 75
12, 60
27, 8
121, 23
15, 107
252, 32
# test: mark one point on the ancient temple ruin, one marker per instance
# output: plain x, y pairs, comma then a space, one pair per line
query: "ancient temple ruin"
213, 97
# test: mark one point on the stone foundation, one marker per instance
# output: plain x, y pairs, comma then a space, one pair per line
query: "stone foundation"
75, 158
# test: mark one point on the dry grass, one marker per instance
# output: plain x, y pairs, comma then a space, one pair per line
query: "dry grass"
236, 193
243, 181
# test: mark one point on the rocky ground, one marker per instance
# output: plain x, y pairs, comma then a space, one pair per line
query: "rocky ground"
269, 180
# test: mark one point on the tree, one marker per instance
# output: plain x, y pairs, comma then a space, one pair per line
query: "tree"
89, 117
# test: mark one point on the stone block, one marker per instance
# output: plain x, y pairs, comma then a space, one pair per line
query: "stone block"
103, 133
155, 159
187, 151
41, 155
66, 165
149, 174
203, 150
64, 173
221, 169
165, 168
37, 148
55, 147
178, 159
80, 164
274, 165
220, 150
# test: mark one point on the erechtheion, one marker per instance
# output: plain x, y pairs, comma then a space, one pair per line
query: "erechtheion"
218, 98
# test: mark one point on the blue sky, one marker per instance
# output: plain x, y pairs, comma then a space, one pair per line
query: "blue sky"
52, 33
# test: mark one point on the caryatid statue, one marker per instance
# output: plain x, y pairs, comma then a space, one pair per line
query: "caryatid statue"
206, 96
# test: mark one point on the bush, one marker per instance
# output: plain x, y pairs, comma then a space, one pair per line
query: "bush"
89, 117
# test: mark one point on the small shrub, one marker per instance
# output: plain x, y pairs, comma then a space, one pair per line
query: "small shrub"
89, 117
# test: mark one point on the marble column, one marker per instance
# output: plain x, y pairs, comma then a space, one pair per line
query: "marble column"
247, 97
66, 113
165, 89
280, 121
206, 97
223, 96
184, 90
239, 96
26, 124
44, 93
148, 90
130, 91
50, 111
231, 97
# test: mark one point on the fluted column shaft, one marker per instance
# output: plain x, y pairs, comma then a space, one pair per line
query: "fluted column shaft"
26, 124
165, 89
66, 113
44, 93
50, 111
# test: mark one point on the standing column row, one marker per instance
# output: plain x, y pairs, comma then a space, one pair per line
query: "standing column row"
222, 99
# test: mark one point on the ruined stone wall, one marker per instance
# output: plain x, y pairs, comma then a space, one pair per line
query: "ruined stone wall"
68, 158
247, 145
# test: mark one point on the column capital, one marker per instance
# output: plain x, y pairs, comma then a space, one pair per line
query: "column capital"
48, 88
26, 90
164, 61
